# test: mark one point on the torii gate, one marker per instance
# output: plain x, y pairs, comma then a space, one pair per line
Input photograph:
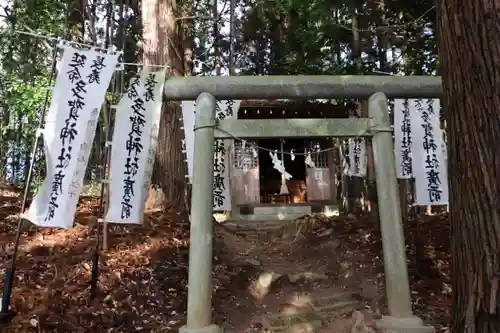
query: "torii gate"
205, 90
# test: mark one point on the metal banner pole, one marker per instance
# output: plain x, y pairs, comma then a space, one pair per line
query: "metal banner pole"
102, 205
5, 313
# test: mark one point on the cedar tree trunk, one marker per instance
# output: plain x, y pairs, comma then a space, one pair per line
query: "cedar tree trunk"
163, 45
469, 47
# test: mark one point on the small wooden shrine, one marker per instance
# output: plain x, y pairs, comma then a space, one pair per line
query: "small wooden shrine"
254, 181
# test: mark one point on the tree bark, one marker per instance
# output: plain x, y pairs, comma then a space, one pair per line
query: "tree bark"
216, 36
163, 45
469, 48
354, 185
76, 21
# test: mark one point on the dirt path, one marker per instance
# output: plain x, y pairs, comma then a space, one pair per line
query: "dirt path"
325, 274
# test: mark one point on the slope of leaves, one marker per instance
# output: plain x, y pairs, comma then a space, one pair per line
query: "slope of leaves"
143, 275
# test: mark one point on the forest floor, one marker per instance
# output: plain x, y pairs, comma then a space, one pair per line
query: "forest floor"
320, 273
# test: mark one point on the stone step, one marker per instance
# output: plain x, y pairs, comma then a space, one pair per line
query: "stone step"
285, 216
252, 225
280, 212
313, 317
293, 323
285, 210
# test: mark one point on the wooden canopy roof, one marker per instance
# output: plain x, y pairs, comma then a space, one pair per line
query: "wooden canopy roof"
275, 109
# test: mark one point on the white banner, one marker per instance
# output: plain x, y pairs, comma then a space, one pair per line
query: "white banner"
188, 116
79, 91
133, 147
344, 155
402, 138
221, 185
429, 153
222, 158
357, 157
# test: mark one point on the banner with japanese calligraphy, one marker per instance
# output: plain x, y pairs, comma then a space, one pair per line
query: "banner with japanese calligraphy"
133, 147
357, 157
344, 155
188, 116
403, 138
428, 151
221, 185
222, 158
79, 91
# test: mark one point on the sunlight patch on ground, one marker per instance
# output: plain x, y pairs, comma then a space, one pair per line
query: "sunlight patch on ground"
260, 287
59, 238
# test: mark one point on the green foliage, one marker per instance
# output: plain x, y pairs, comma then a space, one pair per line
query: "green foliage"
316, 37
271, 37
26, 63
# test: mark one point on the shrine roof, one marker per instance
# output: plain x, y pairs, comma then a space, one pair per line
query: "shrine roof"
295, 108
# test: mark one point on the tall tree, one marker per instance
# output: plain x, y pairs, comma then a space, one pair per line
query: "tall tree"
163, 44
469, 48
